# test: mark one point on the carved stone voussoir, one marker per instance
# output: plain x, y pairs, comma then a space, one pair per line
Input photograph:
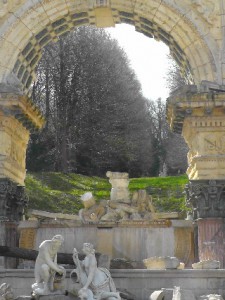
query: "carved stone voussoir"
206, 198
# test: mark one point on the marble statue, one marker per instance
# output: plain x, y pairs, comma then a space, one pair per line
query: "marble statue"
47, 272
6, 292
211, 297
96, 283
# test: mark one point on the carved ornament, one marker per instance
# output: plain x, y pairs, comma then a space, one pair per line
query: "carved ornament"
14, 139
13, 200
203, 8
22, 108
206, 198
215, 143
7, 5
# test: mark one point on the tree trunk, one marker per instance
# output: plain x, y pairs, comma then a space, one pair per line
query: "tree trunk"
62, 258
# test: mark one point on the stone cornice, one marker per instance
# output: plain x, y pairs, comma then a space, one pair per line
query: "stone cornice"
197, 104
22, 109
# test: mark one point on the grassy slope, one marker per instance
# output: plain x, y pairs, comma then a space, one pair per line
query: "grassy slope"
57, 192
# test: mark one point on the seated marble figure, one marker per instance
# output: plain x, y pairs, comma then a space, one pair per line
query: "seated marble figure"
96, 283
46, 267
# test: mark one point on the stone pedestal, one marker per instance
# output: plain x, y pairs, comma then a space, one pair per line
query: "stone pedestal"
200, 117
119, 182
12, 203
8, 237
18, 116
211, 239
2, 242
207, 199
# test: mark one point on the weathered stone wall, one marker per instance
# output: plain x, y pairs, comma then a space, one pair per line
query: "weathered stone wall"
134, 241
141, 283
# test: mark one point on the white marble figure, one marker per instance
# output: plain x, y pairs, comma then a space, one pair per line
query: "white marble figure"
176, 293
6, 292
96, 282
46, 267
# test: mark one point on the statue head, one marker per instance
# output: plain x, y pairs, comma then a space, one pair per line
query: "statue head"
88, 248
58, 237
57, 240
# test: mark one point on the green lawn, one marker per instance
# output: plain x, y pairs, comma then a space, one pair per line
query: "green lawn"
58, 192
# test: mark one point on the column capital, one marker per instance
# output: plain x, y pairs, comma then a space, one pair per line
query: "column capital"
206, 198
200, 117
13, 200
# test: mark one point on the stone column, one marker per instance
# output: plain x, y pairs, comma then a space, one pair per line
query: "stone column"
119, 190
200, 117
18, 116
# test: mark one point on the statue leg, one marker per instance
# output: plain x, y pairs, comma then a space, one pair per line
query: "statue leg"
109, 296
45, 276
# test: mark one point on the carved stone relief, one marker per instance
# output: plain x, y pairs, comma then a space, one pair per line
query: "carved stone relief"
206, 141
214, 143
206, 198
203, 8
14, 139
13, 200
7, 5
98, 3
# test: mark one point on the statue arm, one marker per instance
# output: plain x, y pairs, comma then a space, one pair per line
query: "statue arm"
80, 271
77, 262
48, 260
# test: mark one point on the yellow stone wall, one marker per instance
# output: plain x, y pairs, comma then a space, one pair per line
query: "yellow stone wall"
14, 138
16, 117
201, 119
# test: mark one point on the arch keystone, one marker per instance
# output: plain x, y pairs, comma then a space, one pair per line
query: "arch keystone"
104, 17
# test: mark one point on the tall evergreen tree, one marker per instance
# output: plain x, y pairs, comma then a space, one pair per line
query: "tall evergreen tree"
97, 118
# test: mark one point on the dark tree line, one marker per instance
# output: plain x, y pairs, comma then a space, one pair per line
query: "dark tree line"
96, 116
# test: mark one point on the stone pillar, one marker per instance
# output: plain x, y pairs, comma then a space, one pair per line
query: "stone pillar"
18, 116
119, 182
200, 117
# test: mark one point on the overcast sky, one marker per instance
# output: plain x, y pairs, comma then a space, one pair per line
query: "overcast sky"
148, 58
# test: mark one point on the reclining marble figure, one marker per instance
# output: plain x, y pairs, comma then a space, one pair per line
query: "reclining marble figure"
47, 269
96, 283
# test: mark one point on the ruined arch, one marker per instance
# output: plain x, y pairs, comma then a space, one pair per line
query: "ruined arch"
30, 25
194, 30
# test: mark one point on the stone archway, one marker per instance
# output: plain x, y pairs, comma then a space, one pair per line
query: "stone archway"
27, 26
188, 30
194, 32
